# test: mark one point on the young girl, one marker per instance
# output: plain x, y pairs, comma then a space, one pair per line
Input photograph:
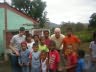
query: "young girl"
54, 57
71, 59
29, 41
44, 61
36, 39
35, 59
42, 45
23, 58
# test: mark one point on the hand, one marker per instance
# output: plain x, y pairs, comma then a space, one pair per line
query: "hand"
17, 53
27, 64
21, 65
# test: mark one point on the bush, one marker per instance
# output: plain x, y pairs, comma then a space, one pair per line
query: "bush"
85, 36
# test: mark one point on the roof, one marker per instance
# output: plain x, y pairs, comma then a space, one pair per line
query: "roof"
7, 6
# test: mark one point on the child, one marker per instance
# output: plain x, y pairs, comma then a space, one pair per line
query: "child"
81, 62
23, 58
42, 45
35, 59
71, 59
54, 57
36, 38
29, 41
44, 61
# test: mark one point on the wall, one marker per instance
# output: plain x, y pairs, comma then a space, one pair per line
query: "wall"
14, 22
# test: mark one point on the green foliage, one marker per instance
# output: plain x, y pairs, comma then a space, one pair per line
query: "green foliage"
76, 27
85, 36
92, 21
34, 8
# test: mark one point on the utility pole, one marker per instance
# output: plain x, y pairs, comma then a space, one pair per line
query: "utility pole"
5, 14
5, 32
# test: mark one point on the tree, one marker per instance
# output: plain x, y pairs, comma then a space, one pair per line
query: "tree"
34, 8
92, 21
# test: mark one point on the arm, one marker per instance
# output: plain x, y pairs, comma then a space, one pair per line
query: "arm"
30, 58
11, 46
28, 63
19, 61
13, 49
47, 64
70, 66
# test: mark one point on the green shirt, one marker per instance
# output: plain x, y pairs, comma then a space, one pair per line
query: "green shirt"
43, 47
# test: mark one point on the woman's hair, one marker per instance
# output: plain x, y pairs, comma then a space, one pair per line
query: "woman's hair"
28, 35
35, 35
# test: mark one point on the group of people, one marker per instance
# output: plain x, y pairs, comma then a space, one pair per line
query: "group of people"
43, 53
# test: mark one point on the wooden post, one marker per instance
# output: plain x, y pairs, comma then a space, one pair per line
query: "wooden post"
5, 14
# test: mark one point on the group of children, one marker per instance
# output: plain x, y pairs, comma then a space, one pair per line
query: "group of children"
46, 59
39, 60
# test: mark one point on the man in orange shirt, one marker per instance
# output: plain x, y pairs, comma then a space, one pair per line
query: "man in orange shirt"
70, 39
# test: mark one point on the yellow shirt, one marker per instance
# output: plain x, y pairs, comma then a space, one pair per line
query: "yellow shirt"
43, 47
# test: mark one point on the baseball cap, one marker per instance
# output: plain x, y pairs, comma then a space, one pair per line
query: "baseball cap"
22, 29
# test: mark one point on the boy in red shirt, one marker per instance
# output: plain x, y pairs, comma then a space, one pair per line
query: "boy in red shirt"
71, 59
54, 57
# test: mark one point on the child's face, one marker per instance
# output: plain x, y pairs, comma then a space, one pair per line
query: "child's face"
42, 41
36, 38
35, 48
43, 55
23, 46
29, 38
52, 47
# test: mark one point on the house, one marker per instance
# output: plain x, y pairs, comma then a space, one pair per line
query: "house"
10, 21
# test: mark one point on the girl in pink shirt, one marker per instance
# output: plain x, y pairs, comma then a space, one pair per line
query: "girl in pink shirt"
54, 57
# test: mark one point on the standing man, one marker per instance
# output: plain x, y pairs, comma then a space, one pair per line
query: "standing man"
47, 39
70, 39
15, 45
57, 37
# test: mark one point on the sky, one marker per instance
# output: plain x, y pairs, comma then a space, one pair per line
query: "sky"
69, 10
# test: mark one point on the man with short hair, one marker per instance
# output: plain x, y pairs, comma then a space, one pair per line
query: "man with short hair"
15, 45
70, 39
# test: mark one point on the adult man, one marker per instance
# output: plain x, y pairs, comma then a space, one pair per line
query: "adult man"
47, 39
70, 40
15, 45
57, 37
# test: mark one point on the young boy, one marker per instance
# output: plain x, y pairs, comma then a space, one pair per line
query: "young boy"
54, 58
42, 45
35, 58
71, 59
81, 62
23, 58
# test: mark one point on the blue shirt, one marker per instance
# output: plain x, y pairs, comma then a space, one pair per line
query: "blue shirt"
24, 57
35, 59
80, 65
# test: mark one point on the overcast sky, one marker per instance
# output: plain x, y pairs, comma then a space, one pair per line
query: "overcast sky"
69, 10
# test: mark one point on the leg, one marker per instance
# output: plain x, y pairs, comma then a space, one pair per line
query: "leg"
14, 64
